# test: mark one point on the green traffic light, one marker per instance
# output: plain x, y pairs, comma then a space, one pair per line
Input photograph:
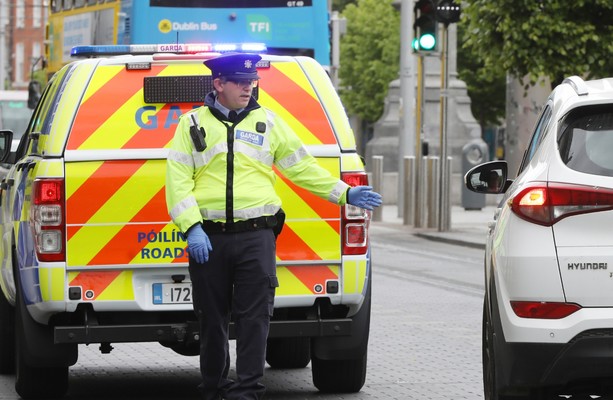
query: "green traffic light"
427, 42
415, 44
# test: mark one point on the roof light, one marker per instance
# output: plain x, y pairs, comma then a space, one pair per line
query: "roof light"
225, 47
254, 47
175, 48
138, 66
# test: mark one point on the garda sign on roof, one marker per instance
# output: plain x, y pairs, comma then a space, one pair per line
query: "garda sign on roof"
163, 48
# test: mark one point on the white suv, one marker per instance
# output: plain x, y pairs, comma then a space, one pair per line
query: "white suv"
548, 309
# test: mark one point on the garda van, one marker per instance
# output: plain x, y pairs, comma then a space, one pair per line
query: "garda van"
89, 254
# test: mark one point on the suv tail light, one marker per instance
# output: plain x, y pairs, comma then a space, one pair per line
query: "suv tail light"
47, 219
543, 310
545, 204
354, 220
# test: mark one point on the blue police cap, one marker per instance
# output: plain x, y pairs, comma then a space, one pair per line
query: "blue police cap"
234, 65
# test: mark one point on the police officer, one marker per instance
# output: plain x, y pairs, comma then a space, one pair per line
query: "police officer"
219, 191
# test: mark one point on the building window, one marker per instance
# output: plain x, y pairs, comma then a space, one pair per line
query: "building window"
19, 63
37, 13
36, 50
20, 14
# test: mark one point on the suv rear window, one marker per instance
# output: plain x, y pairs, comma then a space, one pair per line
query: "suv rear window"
585, 141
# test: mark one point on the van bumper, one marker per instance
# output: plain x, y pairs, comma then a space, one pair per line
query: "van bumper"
179, 332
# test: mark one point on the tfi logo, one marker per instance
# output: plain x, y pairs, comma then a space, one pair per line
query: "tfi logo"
259, 27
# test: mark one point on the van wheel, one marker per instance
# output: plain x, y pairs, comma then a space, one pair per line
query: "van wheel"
339, 376
31, 381
7, 336
339, 363
41, 383
293, 352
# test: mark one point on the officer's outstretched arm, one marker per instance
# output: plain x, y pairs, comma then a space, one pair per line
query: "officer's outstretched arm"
364, 197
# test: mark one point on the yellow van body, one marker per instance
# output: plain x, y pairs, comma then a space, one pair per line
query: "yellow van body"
89, 253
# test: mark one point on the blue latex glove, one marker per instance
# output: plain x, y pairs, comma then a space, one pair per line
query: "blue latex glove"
364, 197
198, 244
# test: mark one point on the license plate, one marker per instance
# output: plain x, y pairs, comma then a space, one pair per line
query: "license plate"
172, 293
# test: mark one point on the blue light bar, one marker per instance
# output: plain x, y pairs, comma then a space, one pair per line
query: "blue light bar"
175, 48
79, 51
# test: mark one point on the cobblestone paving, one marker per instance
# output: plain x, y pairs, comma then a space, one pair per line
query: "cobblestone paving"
424, 344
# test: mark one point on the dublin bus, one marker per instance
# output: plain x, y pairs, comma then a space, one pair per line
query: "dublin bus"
293, 27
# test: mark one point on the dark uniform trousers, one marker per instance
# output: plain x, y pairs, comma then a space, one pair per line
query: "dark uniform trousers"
238, 282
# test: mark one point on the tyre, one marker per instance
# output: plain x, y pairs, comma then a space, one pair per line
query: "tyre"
294, 352
7, 336
185, 349
339, 363
41, 383
33, 381
339, 376
488, 354
490, 391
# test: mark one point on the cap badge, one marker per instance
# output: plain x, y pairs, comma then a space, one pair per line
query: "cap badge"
248, 64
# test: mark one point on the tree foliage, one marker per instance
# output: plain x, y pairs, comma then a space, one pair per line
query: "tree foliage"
339, 5
540, 38
487, 90
370, 56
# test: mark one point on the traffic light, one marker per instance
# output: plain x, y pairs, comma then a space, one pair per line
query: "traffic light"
425, 26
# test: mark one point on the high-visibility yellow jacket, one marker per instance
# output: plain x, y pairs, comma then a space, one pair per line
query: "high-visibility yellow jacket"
205, 185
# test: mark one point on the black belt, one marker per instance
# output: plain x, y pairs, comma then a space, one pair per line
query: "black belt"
253, 224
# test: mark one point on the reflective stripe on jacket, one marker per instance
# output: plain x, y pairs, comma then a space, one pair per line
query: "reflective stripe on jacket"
196, 181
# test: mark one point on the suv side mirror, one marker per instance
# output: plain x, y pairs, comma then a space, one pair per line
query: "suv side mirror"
489, 177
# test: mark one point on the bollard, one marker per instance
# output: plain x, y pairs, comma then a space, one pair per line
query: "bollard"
409, 190
420, 199
377, 184
446, 225
433, 191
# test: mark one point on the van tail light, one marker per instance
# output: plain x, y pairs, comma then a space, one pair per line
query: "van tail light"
543, 309
547, 203
354, 220
47, 219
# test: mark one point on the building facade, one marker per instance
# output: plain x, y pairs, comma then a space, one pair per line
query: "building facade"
22, 36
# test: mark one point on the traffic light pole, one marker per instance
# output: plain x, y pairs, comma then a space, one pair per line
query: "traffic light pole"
418, 206
407, 93
444, 179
